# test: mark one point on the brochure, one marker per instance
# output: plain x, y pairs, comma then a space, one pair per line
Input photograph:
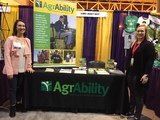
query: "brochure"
65, 71
49, 70
101, 71
82, 63
118, 72
91, 71
80, 71
110, 64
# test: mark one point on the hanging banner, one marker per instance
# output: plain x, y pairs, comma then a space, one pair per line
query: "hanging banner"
54, 33
5, 9
91, 14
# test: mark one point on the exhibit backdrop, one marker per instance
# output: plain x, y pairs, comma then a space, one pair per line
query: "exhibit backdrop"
54, 33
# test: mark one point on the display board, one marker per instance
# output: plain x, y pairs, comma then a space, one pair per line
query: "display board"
54, 33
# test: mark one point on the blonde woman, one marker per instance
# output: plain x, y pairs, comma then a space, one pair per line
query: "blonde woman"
139, 65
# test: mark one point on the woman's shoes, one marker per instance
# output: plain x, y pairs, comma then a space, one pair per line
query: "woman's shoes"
20, 108
133, 118
128, 115
12, 112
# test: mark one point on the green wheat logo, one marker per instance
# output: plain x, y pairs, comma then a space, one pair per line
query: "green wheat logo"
46, 86
38, 3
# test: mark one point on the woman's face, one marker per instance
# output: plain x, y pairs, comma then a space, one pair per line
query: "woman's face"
21, 28
140, 32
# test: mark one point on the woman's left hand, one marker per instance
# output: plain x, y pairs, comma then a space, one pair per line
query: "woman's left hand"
144, 79
30, 70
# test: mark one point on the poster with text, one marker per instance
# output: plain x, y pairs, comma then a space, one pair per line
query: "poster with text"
54, 33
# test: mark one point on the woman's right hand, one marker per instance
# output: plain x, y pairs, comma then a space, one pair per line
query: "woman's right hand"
10, 77
30, 70
125, 71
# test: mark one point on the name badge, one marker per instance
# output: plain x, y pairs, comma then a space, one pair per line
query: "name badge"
132, 61
17, 45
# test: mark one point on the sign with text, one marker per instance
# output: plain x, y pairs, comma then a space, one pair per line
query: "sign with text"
54, 33
91, 14
91, 88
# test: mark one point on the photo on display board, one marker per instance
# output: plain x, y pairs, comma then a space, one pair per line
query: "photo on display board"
41, 56
62, 31
69, 57
56, 56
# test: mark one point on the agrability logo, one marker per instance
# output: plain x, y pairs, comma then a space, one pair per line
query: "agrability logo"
38, 3
77, 88
59, 7
55, 7
46, 86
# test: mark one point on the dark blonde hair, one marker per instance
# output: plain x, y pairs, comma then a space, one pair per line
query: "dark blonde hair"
146, 31
146, 34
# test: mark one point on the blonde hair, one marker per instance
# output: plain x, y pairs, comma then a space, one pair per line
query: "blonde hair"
146, 31
146, 34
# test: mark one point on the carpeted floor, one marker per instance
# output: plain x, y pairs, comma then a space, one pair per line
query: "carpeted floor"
59, 115
39, 115
52, 115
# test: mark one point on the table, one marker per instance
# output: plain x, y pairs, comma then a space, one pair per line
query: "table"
152, 97
3, 84
76, 91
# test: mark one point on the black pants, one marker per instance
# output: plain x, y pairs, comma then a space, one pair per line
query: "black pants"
16, 88
136, 96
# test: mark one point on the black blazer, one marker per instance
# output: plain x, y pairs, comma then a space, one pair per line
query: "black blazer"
59, 27
144, 57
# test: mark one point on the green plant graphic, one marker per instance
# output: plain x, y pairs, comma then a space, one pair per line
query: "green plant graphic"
46, 86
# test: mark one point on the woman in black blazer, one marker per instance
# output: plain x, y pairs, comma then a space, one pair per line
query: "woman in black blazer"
139, 65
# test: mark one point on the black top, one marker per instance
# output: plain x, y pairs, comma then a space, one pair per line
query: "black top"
56, 58
143, 59
59, 27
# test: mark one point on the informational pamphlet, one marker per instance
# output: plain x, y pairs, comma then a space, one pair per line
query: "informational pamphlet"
118, 72
110, 64
65, 71
80, 71
91, 70
82, 63
102, 71
49, 70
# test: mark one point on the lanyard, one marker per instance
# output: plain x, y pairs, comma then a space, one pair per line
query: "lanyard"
136, 45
